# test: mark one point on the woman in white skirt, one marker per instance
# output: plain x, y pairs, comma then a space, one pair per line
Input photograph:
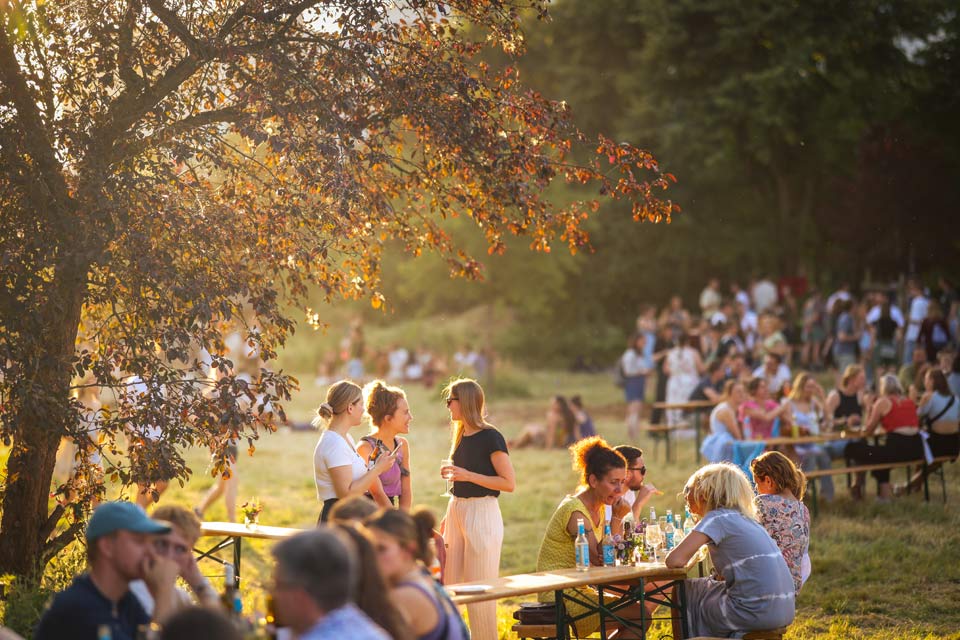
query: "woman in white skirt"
473, 526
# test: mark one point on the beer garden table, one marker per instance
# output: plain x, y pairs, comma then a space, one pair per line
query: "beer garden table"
628, 583
696, 407
232, 533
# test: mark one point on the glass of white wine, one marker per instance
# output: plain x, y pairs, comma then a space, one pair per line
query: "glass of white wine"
654, 539
447, 462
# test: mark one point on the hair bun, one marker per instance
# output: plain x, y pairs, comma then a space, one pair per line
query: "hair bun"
325, 410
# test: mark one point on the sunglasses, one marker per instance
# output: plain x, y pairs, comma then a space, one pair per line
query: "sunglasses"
163, 546
451, 399
642, 470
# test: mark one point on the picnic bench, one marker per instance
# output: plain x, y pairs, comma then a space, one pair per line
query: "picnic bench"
864, 468
627, 583
696, 407
232, 533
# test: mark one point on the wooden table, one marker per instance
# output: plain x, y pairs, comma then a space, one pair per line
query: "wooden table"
232, 534
627, 583
697, 407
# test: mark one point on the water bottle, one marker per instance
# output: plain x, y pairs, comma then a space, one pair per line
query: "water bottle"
653, 516
677, 530
668, 531
608, 548
747, 430
582, 548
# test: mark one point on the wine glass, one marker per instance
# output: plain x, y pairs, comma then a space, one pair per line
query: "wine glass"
447, 462
654, 538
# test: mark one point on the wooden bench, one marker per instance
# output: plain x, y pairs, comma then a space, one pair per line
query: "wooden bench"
666, 430
547, 631
864, 468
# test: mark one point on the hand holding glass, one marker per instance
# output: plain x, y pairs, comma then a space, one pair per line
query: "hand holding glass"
446, 462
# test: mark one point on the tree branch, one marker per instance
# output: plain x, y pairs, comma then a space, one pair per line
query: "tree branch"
131, 148
125, 48
173, 22
33, 133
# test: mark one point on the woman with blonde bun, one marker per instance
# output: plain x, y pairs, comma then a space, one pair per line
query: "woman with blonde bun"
338, 469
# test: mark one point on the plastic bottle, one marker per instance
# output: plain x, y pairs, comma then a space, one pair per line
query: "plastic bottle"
608, 548
582, 548
668, 531
653, 515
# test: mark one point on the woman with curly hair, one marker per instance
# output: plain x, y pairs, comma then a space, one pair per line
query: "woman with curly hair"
603, 474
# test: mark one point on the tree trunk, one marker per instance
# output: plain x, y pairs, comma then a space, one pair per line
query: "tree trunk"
39, 425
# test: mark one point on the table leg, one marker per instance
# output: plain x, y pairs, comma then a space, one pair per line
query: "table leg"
682, 602
561, 615
696, 434
236, 561
603, 618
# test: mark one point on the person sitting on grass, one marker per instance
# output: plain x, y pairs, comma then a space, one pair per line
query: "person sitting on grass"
755, 590
603, 473
780, 486
119, 551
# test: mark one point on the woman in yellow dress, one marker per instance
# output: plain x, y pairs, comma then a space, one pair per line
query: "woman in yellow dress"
602, 478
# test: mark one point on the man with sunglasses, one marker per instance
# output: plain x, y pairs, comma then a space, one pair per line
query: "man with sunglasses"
640, 491
177, 545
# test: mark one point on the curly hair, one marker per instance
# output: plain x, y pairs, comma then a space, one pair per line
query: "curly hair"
594, 457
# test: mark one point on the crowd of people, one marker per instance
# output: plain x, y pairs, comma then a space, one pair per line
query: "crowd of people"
400, 363
760, 355
368, 568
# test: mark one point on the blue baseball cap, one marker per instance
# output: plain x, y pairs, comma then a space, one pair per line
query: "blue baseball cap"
122, 516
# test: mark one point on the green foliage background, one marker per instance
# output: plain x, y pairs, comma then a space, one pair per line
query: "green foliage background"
808, 137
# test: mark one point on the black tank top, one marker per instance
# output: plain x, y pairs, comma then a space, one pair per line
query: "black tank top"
849, 406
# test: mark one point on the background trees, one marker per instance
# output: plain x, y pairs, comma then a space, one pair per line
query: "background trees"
173, 169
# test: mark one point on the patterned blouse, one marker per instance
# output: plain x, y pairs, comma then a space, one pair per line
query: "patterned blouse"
788, 523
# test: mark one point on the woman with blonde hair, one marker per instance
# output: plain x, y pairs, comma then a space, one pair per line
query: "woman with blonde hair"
480, 470
781, 486
338, 469
390, 415
724, 428
806, 407
403, 544
757, 590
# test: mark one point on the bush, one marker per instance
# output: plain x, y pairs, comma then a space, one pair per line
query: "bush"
27, 599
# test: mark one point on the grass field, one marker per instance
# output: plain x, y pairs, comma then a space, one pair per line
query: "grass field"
880, 572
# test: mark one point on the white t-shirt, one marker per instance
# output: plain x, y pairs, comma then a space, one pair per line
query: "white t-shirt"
635, 364
764, 295
332, 451
918, 311
139, 589
629, 497
777, 380
895, 314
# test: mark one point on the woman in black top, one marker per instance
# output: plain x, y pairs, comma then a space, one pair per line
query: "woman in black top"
473, 526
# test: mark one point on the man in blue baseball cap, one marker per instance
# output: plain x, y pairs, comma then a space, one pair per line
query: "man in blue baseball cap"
119, 550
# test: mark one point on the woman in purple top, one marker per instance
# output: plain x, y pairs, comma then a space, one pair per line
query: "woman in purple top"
390, 414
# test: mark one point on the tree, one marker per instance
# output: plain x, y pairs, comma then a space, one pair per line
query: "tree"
172, 167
